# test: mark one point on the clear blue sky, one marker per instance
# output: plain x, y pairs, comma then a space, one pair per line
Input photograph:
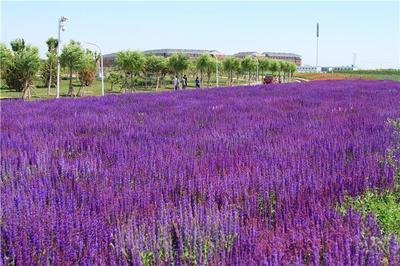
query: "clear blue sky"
369, 29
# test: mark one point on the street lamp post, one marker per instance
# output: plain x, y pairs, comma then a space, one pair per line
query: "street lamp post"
101, 67
60, 28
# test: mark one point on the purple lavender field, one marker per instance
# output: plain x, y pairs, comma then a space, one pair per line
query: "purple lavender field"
227, 176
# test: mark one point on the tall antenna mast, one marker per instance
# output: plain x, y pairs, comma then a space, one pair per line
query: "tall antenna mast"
316, 61
354, 59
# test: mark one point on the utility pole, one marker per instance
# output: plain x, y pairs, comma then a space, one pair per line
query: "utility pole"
60, 28
216, 71
316, 61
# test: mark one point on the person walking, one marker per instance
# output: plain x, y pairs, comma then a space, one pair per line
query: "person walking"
197, 81
176, 82
184, 82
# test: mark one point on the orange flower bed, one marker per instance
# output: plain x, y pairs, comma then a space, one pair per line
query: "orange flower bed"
331, 76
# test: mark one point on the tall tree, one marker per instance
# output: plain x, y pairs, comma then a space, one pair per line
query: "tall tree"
248, 66
5, 60
237, 67
229, 67
178, 63
52, 44
19, 66
274, 67
156, 65
86, 71
292, 69
211, 68
202, 64
263, 66
132, 63
71, 57
17, 45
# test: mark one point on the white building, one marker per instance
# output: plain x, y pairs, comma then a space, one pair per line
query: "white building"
309, 69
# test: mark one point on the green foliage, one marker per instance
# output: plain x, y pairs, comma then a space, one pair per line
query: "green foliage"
5, 59
274, 66
132, 63
249, 64
17, 45
147, 258
385, 206
155, 64
263, 65
21, 66
71, 58
229, 67
202, 63
45, 72
52, 45
178, 63
114, 79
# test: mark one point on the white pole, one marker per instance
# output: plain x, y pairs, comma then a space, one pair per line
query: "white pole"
60, 26
316, 62
102, 74
58, 61
101, 67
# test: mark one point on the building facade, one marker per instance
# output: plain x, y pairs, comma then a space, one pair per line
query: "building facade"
192, 53
244, 54
290, 57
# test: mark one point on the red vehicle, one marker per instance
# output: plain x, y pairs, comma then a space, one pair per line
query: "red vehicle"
269, 79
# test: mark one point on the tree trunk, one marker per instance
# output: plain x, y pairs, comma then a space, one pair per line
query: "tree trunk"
25, 90
131, 85
70, 87
158, 81
231, 76
50, 79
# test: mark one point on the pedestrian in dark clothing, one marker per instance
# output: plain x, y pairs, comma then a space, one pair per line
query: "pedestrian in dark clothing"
197, 81
184, 82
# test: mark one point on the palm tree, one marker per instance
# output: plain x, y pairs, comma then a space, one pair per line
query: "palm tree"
132, 63
202, 64
52, 44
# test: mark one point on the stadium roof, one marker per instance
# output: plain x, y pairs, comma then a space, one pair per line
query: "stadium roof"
183, 51
270, 54
243, 54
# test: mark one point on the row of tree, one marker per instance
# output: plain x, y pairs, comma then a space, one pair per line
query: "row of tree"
131, 65
21, 65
